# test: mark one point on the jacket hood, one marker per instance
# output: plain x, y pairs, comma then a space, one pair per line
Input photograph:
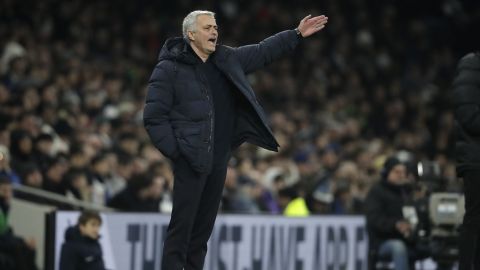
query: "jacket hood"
176, 49
72, 234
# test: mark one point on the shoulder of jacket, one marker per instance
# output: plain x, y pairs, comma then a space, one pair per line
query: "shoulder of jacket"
470, 61
224, 51
165, 64
380, 188
226, 48
167, 68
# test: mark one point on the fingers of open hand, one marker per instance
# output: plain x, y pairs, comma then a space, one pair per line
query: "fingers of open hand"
317, 19
306, 17
316, 23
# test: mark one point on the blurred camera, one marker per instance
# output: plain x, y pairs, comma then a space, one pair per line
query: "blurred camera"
445, 212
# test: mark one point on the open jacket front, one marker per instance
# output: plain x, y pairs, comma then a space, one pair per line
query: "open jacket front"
179, 113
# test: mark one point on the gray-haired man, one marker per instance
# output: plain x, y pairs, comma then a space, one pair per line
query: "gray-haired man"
199, 107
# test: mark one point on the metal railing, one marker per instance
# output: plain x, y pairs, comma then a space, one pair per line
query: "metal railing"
49, 198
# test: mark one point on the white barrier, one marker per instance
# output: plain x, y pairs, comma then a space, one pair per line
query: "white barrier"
239, 242
28, 220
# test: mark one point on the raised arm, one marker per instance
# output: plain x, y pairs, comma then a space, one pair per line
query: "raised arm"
255, 56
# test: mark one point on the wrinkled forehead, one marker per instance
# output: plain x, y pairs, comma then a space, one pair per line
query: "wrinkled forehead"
206, 20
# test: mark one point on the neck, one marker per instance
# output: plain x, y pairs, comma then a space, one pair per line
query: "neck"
202, 55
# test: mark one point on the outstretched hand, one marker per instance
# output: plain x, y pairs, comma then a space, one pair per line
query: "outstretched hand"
309, 26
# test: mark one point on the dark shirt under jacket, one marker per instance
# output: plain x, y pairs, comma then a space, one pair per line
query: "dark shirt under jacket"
223, 95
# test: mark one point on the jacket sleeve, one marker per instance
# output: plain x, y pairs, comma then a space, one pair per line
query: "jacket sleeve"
374, 213
158, 104
466, 93
68, 260
255, 56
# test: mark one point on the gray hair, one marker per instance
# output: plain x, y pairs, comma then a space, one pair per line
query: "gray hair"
189, 23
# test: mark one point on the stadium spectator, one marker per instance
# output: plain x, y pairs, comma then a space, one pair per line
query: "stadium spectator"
391, 232
81, 249
32, 176
5, 169
20, 252
143, 193
53, 175
77, 186
21, 149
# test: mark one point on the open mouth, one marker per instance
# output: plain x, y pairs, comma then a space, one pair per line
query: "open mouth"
212, 41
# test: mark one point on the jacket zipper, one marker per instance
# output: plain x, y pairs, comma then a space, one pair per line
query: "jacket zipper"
211, 114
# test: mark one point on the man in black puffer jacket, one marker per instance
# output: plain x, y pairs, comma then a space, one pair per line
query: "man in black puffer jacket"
466, 87
199, 107
81, 249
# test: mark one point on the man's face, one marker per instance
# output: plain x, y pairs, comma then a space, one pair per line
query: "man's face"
204, 38
6, 192
91, 229
398, 175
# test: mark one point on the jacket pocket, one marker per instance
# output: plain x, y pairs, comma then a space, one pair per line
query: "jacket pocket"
190, 143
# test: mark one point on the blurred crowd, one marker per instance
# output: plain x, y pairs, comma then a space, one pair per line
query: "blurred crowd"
375, 82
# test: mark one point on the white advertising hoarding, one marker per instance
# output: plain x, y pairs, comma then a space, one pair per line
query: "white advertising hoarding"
239, 242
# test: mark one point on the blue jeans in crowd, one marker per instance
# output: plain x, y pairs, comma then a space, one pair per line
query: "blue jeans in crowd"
398, 251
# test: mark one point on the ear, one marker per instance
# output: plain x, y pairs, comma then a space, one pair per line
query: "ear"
191, 35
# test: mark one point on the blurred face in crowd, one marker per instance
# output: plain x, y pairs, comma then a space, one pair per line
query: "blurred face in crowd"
30, 123
156, 189
6, 192
79, 160
80, 182
34, 179
204, 38
4, 159
45, 146
26, 145
231, 180
4, 94
4, 137
130, 146
56, 171
91, 228
102, 167
398, 175
330, 159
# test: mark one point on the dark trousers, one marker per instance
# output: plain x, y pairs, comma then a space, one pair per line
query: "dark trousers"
470, 232
196, 199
